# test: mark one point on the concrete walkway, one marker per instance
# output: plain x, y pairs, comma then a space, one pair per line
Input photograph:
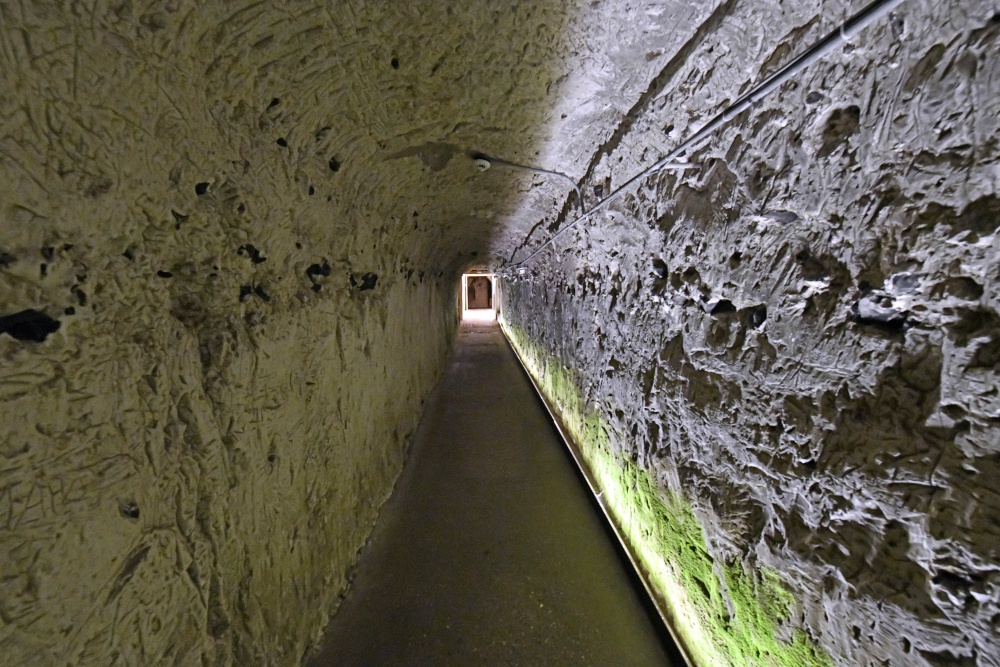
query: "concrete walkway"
489, 551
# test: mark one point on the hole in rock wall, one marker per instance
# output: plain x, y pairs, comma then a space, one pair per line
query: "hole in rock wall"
478, 296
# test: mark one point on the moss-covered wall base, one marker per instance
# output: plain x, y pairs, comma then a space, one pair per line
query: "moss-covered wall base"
724, 613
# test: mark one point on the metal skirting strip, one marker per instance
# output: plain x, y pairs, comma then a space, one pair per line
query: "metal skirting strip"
655, 600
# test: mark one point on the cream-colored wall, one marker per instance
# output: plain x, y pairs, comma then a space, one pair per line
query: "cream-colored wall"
178, 491
189, 465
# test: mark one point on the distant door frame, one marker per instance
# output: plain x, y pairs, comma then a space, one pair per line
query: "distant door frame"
465, 295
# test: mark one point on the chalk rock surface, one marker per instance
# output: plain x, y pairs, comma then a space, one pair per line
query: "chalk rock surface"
230, 234
801, 337
230, 240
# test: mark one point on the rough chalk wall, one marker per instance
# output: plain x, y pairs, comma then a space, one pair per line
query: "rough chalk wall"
245, 219
229, 238
801, 339
189, 464
196, 487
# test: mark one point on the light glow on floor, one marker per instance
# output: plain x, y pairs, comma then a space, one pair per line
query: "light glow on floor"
479, 315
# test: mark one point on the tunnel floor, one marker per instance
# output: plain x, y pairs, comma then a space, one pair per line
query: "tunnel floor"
489, 552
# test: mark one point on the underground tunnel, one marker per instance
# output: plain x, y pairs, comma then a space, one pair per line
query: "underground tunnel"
711, 286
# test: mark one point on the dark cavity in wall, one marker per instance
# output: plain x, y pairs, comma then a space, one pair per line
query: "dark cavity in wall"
252, 252
315, 271
28, 325
842, 124
367, 281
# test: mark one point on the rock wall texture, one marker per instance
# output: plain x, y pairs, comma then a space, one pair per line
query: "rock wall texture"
787, 362
230, 234
230, 237
211, 370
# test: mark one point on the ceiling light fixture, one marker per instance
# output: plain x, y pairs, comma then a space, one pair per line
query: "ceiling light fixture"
484, 162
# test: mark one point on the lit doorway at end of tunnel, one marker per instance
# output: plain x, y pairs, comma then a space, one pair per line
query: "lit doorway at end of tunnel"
479, 297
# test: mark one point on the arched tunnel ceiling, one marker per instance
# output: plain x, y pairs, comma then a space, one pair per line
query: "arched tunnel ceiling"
263, 101
229, 233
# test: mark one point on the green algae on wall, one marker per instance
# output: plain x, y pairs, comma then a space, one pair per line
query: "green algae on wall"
726, 614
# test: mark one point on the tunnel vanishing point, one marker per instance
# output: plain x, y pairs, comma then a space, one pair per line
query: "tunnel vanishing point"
232, 235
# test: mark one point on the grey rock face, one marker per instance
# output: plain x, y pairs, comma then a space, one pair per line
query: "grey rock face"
801, 336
